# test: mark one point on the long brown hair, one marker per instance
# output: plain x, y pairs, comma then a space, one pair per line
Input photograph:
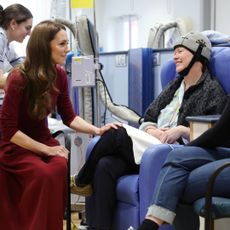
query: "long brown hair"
38, 69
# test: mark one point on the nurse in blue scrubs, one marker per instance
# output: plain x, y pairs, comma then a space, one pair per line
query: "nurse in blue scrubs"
15, 25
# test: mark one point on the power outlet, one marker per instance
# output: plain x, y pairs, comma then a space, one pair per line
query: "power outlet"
156, 58
121, 60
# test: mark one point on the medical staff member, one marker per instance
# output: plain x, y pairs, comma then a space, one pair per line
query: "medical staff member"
15, 25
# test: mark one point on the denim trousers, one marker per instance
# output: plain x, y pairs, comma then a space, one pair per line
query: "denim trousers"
184, 177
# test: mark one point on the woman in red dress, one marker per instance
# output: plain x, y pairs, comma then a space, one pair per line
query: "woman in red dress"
33, 194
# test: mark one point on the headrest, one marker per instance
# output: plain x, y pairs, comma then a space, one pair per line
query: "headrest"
168, 72
219, 66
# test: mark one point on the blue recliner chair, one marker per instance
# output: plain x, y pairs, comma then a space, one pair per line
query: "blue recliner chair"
134, 192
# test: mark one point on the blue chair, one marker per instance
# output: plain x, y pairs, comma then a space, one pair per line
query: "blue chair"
134, 192
212, 207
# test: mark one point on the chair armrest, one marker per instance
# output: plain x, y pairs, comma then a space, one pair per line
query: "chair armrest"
208, 197
151, 163
91, 145
199, 124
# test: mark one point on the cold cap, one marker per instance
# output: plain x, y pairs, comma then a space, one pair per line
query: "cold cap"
192, 41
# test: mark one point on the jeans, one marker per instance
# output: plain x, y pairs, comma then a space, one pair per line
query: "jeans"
176, 182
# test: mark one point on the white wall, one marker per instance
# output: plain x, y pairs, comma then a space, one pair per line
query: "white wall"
192, 11
109, 22
222, 16
149, 12
40, 10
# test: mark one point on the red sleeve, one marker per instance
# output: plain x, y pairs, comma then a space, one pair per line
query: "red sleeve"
11, 104
64, 105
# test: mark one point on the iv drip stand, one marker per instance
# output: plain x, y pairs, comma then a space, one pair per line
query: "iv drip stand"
97, 104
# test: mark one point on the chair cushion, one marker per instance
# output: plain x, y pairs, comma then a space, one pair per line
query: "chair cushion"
220, 207
127, 189
126, 215
168, 73
219, 66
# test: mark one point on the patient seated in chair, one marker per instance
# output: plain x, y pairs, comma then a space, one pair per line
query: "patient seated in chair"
193, 92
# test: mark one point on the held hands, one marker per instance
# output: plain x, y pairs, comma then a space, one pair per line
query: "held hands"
103, 129
170, 135
155, 133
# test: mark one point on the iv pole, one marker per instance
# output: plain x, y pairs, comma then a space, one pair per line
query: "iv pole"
97, 104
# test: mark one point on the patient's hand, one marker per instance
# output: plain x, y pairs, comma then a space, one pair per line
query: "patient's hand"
171, 135
158, 133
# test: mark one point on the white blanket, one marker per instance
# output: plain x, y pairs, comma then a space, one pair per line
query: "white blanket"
141, 141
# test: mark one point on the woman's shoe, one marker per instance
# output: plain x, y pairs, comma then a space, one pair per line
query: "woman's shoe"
83, 190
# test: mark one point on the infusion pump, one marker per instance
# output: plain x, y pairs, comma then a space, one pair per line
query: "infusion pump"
83, 71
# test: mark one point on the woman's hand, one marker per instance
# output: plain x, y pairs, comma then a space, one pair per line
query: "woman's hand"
80, 125
171, 135
58, 150
113, 125
155, 132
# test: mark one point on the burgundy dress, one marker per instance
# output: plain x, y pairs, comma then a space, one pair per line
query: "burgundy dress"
32, 187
